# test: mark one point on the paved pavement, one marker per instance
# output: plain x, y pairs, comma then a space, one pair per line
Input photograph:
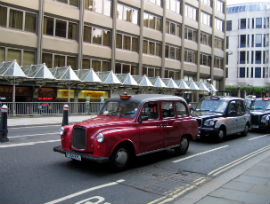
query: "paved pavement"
247, 183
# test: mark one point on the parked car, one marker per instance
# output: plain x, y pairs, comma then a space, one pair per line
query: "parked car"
130, 126
250, 101
260, 114
221, 116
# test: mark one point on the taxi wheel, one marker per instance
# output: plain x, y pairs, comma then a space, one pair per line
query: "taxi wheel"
245, 132
120, 158
183, 147
221, 134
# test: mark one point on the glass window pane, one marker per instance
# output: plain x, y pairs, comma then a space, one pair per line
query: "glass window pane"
158, 49
126, 68
134, 70
106, 38
166, 51
144, 70
152, 48
135, 44
118, 68
59, 61
72, 31
157, 72
107, 7
158, 25
145, 19
120, 10
86, 64
87, 34
172, 52
151, 72
48, 26
3, 16
145, 45
15, 19
152, 21
96, 65
134, 16
167, 27
30, 22
119, 41
28, 58
60, 28
2, 54
172, 28
71, 61
74, 3
47, 59
97, 36
106, 66
14, 55
97, 6
127, 42
178, 54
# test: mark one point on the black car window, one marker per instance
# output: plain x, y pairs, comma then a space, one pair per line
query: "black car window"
181, 109
167, 109
240, 108
232, 108
150, 110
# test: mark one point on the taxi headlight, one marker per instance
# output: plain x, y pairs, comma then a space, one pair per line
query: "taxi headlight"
265, 118
210, 123
100, 137
62, 131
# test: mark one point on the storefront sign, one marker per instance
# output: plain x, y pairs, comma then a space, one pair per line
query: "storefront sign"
63, 93
94, 95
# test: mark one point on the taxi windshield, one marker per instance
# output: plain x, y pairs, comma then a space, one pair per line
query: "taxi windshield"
210, 105
120, 109
261, 105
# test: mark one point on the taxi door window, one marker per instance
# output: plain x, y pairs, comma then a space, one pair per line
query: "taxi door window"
232, 109
181, 109
150, 110
167, 109
240, 108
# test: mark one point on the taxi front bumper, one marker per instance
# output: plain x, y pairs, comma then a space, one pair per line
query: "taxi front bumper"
207, 132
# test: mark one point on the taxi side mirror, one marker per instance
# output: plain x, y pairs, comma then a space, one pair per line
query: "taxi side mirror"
143, 118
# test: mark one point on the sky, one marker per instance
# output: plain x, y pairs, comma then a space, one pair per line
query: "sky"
229, 2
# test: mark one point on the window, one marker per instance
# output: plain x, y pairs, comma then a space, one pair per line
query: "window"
151, 110
167, 109
242, 40
172, 74
151, 71
173, 28
3, 16
242, 57
47, 59
98, 36
28, 58
99, 65
229, 25
258, 72
191, 12
124, 68
258, 57
218, 24
218, 62
127, 42
243, 23
15, 19
219, 6
2, 54
152, 21
258, 40
99, 6
127, 13
218, 43
174, 5
48, 26
258, 22
181, 109
152, 48
206, 19
206, 39
227, 42
72, 31
60, 29
206, 2
205, 59
14, 54
172, 52
70, 2
242, 72
190, 56
30, 22
190, 34
59, 60
157, 2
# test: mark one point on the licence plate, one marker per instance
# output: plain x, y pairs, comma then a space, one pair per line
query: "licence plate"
255, 126
74, 156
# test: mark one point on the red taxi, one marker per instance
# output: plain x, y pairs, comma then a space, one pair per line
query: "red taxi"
130, 126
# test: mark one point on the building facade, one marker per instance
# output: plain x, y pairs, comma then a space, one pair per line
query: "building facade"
179, 39
247, 46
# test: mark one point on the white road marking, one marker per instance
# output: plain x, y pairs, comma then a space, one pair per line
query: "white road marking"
201, 153
51, 133
33, 126
27, 143
84, 191
259, 137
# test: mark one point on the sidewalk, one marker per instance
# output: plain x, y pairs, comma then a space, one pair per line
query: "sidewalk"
247, 183
49, 120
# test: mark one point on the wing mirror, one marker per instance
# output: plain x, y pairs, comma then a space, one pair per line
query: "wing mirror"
143, 118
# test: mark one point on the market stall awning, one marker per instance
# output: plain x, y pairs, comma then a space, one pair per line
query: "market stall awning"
11, 69
64, 73
40, 71
87, 75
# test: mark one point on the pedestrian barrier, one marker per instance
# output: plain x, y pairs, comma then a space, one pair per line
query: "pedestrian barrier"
51, 108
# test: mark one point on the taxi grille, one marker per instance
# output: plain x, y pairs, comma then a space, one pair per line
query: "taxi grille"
255, 119
199, 121
79, 138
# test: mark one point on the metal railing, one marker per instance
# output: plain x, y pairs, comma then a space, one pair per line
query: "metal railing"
51, 108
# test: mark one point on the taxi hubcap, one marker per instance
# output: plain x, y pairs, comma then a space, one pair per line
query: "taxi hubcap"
121, 157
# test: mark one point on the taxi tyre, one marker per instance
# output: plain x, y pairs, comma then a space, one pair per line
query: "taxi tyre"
183, 147
221, 134
245, 132
120, 158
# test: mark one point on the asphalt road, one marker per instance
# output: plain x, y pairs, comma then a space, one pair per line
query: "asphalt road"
30, 172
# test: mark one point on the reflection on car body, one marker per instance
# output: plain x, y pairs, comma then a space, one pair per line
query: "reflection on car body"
221, 116
130, 126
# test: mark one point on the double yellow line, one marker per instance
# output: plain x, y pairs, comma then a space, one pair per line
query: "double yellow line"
237, 161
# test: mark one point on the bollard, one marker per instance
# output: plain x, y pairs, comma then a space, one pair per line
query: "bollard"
65, 115
3, 124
